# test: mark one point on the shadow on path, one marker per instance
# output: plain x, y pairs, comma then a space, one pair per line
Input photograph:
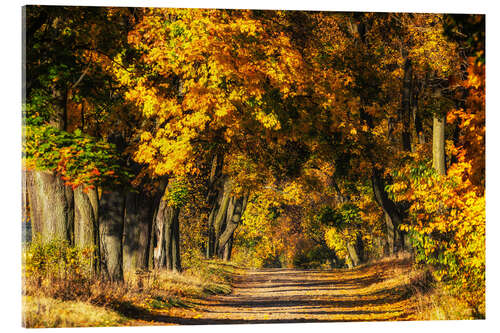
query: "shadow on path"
298, 296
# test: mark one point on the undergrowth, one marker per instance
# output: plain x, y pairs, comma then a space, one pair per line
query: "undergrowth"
428, 298
61, 288
60, 283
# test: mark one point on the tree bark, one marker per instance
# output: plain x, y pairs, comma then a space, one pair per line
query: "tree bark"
153, 232
167, 247
167, 223
228, 249
392, 214
175, 240
85, 219
219, 218
438, 127
51, 206
353, 255
360, 248
159, 252
405, 106
112, 209
86, 222
211, 232
391, 235
34, 211
417, 118
234, 214
356, 251
139, 211
25, 207
70, 204
226, 228
213, 197
438, 146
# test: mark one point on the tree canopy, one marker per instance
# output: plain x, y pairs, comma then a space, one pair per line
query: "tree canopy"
270, 137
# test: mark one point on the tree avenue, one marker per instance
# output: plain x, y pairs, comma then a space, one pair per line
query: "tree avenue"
271, 138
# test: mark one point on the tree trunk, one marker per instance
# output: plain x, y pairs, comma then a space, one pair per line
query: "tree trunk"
34, 211
175, 240
353, 255
356, 251
85, 219
333, 258
234, 213
360, 248
25, 207
51, 206
139, 211
167, 225
153, 232
159, 236
156, 231
391, 212
406, 94
211, 232
417, 119
70, 206
405, 106
438, 146
158, 243
112, 209
228, 248
213, 198
227, 228
219, 218
86, 222
167, 249
93, 196
389, 233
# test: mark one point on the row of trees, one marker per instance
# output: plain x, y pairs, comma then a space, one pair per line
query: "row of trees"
336, 127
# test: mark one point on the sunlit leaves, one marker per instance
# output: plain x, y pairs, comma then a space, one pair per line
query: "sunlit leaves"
447, 226
79, 159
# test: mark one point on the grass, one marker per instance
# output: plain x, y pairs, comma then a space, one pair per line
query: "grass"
427, 298
111, 304
49, 312
438, 304
52, 299
56, 298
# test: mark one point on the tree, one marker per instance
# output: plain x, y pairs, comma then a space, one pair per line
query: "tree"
69, 95
217, 86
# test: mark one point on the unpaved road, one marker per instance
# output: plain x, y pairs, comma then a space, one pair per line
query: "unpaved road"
288, 296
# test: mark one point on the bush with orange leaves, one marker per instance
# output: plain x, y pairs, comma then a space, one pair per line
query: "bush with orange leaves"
446, 224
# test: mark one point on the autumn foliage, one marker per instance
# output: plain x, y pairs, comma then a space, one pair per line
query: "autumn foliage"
272, 138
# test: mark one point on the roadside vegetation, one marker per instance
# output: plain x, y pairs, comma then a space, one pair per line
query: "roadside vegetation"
61, 288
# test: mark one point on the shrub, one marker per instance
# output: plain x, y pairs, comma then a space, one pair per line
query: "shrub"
56, 269
447, 227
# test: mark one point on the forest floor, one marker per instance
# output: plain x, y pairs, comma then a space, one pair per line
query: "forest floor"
376, 292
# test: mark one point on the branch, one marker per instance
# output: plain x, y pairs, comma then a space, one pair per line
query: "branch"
104, 54
81, 76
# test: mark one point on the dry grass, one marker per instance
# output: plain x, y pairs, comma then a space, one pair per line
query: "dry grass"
207, 277
429, 299
438, 304
52, 299
48, 312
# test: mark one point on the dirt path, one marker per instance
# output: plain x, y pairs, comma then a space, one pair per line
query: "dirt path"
287, 296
